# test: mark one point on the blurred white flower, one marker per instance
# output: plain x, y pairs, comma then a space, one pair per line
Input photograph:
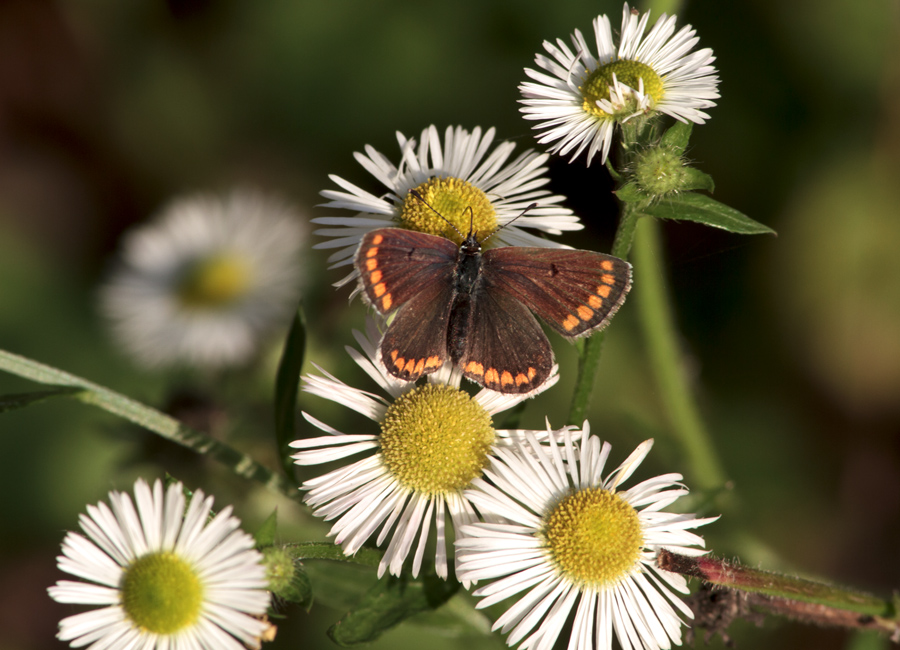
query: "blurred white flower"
203, 282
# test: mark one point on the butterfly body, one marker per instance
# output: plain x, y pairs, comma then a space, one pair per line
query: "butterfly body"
475, 309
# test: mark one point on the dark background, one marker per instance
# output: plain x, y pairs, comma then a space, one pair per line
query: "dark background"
109, 109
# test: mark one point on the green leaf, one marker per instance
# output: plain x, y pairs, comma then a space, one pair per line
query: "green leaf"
151, 419
265, 536
20, 400
677, 136
390, 601
704, 209
287, 380
694, 179
630, 193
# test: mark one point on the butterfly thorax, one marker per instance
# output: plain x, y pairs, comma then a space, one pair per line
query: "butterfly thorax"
467, 278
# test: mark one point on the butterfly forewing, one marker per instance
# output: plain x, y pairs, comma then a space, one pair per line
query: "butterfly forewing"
574, 291
395, 265
505, 348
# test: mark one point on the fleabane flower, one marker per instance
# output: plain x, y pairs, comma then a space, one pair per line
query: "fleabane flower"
434, 439
162, 577
584, 96
463, 179
573, 538
203, 282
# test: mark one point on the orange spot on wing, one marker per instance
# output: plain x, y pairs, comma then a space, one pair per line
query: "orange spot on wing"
531, 373
433, 362
606, 265
603, 290
522, 379
410, 367
372, 252
506, 379
475, 368
596, 302
386, 302
377, 239
420, 366
375, 276
371, 264
585, 313
608, 278
379, 289
571, 322
492, 376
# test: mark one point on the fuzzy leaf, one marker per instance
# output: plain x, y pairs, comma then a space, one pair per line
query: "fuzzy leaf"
287, 380
694, 179
265, 536
630, 193
677, 136
390, 601
704, 209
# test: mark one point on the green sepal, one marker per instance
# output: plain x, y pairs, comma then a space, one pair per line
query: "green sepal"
301, 592
20, 400
287, 381
630, 192
389, 602
677, 136
693, 179
265, 535
689, 206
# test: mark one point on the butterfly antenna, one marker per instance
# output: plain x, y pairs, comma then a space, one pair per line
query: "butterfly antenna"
499, 228
426, 203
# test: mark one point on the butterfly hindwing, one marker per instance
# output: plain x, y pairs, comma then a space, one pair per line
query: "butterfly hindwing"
415, 344
505, 348
574, 291
395, 264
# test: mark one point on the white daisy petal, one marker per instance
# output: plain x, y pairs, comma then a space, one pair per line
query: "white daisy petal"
230, 578
637, 603
563, 101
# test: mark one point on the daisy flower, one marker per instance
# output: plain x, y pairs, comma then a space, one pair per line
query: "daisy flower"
583, 97
205, 280
572, 539
162, 577
463, 179
434, 440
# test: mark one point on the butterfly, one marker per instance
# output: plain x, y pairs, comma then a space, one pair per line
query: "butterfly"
475, 309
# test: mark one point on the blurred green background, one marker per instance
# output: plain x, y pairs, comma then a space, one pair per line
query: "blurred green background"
109, 109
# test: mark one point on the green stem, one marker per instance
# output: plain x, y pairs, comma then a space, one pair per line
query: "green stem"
589, 357
795, 598
151, 419
658, 325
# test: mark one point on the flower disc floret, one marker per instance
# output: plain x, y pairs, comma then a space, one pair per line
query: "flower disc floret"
215, 282
435, 439
594, 537
633, 74
458, 201
161, 593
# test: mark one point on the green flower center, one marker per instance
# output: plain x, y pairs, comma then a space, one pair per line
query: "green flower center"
435, 439
216, 281
458, 201
161, 593
594, 536
629, 73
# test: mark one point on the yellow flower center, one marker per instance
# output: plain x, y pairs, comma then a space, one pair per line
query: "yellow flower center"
458, 201
435, 439
214, 282
161, 593
628, 73
594, 537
